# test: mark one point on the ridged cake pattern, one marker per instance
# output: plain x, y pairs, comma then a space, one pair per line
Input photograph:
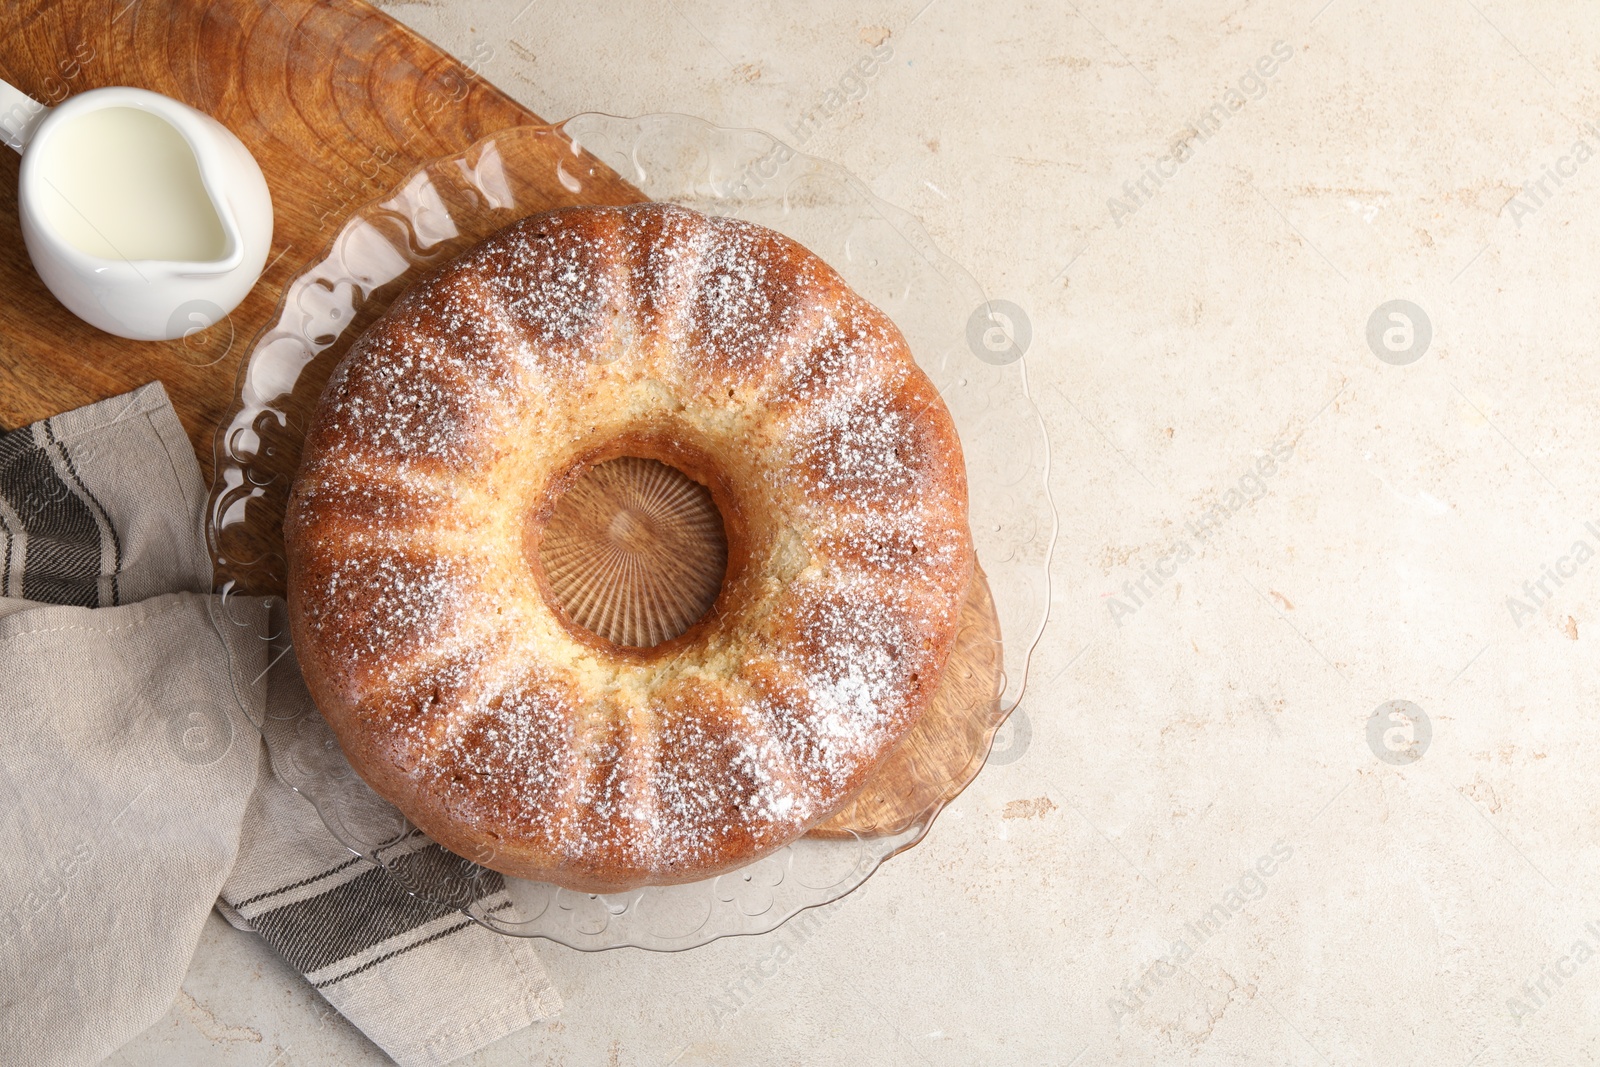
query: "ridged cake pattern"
635, 552
423, 618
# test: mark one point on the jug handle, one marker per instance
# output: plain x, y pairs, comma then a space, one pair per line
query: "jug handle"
19, 116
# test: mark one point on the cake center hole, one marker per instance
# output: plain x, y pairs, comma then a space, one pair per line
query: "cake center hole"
635, 551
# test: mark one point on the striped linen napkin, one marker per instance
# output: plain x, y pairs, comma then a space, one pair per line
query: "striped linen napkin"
135, 791
366, 945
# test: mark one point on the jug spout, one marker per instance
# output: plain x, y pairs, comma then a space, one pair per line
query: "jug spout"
20, 115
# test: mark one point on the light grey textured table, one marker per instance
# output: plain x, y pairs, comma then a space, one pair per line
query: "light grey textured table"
1201, 856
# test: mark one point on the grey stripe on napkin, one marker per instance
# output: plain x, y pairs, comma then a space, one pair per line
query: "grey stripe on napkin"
353, 930
352, 910
53, 528
127, 745
60, 547
98, 506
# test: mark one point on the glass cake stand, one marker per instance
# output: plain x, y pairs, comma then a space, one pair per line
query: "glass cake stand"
959, 340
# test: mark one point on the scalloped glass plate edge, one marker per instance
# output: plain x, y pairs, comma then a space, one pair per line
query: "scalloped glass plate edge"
719, 170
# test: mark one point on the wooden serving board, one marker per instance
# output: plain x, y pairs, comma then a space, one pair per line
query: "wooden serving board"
336, 100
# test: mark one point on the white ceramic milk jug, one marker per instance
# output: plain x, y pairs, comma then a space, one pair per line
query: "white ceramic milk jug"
144, 217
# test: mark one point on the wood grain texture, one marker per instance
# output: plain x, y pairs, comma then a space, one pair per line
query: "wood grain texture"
337, 101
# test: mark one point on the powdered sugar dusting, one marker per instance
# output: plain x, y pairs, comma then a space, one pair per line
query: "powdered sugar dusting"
891, 547
508, 761
375, 611
860, 448
722, 782
562, 286
843, 691
753, 295
605, 769
418, 398
377, 496
844, 354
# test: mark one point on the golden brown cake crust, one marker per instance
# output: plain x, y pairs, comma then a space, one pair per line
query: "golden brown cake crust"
418, 606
